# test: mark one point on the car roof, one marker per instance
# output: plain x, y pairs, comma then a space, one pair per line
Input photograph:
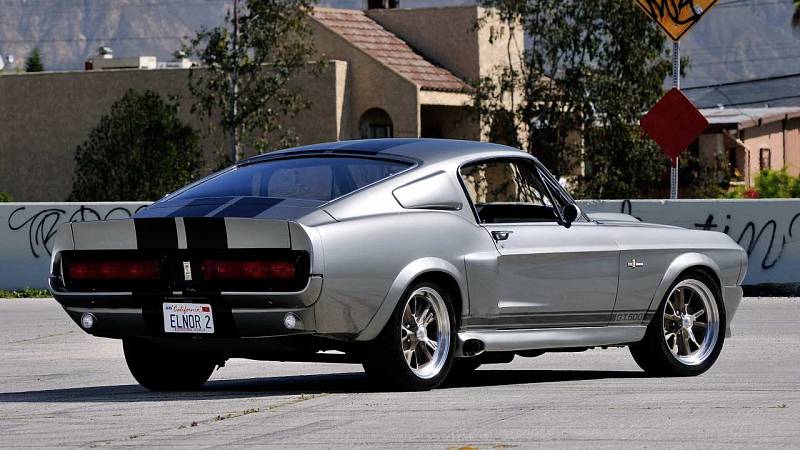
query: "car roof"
427, 151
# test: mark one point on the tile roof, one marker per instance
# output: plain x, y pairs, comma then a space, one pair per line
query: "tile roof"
386, 47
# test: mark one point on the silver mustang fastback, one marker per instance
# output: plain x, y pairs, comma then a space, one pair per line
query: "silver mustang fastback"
420, 259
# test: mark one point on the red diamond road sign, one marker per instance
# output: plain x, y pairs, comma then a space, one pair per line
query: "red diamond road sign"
674, 123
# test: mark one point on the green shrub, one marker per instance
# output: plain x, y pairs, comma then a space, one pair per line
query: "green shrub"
769, 184
25, 293
140, 150
794, 188
5, 197
775, 184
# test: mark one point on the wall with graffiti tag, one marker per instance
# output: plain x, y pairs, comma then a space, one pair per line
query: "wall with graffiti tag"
768, 229
27, 232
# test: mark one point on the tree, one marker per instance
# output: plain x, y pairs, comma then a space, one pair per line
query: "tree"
796, 16
33, 63
246, 69
575, 96
139, 151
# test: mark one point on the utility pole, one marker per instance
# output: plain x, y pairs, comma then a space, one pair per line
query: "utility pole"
676, 83
235, 85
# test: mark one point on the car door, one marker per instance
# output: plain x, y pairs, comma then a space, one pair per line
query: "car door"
549, 275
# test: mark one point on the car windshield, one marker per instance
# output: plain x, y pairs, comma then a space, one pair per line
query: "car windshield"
322, 178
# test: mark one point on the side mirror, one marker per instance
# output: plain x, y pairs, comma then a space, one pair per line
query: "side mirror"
571, 214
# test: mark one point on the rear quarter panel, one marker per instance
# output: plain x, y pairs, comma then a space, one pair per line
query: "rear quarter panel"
368, 259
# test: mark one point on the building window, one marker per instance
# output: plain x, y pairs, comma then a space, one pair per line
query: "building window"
376, 124
766, 159
382, 4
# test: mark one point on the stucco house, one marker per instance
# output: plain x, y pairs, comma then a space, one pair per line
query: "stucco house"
753, 139
391, 73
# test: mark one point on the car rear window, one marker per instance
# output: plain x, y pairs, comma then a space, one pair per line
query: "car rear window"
309, 178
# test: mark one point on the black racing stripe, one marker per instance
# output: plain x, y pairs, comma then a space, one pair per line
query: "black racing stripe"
374, 145
350, 151
552, 320
156, 234
249, 207
194, 211
541, 320
205, 233
219, 201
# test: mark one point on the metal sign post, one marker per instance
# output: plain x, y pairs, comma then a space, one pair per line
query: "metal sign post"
676, 18
676, 83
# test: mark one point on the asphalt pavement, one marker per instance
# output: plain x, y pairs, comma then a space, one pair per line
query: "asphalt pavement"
62, 388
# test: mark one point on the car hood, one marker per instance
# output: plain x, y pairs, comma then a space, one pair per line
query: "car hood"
242, 207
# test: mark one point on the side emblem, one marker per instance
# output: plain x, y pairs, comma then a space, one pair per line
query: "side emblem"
634, 264
187, 271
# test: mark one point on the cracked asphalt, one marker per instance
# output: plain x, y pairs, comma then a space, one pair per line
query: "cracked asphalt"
62, 388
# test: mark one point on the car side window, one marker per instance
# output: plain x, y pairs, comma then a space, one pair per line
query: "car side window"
507, 191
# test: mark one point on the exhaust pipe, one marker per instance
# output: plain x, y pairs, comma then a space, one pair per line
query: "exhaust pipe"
472, 347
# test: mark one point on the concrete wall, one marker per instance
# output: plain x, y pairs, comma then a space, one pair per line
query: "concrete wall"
768, 229
45, 116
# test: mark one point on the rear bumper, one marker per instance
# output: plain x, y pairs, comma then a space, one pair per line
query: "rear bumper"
235, 323
236, 315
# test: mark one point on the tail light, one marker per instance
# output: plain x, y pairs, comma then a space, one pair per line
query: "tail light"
114, 270
248, 270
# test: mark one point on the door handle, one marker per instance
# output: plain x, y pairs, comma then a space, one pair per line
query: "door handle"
501, 235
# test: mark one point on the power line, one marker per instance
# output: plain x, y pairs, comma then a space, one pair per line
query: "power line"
755, 102
746, 60
740, 3
740, 82
794, 43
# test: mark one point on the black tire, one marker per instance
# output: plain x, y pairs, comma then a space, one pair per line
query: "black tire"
384, 360
653, 353
463, 368
159, 369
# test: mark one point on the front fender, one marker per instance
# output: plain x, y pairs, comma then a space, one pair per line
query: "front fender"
678, 266
412, 271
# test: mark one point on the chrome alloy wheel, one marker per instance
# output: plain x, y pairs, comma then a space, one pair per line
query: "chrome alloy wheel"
691, 322
425, 332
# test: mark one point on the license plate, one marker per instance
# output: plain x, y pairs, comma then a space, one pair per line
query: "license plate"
188, 318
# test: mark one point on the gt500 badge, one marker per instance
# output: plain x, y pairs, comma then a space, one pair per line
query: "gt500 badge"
629, 317
187, 271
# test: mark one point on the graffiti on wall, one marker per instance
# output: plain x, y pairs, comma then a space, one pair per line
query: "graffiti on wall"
42, 225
